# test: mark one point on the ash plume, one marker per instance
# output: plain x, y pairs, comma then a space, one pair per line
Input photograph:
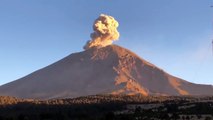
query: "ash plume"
105, 32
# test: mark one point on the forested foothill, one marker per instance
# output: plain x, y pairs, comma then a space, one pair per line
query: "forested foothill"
109, 107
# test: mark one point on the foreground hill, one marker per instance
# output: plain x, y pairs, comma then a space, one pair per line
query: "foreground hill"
107, 70
109, 107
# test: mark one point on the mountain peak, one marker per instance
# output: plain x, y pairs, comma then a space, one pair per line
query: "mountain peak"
106, 70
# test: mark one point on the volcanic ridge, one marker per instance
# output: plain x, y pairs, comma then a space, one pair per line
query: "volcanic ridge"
102, 68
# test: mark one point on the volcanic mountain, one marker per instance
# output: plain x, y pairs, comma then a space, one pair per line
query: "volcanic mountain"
107, 70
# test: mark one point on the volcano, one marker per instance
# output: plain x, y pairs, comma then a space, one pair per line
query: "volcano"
106, 70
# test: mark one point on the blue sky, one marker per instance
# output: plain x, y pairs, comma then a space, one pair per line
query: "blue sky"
175, 35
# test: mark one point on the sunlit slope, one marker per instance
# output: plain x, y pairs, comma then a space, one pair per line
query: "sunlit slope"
107, 70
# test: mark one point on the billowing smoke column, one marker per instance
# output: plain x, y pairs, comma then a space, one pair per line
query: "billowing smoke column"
105, 32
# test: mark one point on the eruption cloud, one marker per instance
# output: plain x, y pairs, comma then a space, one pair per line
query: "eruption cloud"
105, 32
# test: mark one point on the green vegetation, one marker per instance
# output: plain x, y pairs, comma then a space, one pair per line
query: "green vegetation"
108, 107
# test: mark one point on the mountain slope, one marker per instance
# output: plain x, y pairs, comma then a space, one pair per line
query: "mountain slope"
110, 69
